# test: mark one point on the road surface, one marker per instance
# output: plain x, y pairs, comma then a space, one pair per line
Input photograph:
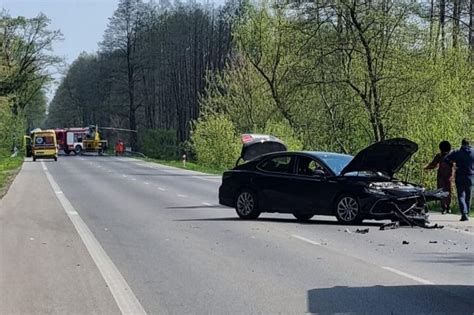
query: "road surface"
153, 239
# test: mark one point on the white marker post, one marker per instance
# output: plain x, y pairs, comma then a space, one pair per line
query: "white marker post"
184, 160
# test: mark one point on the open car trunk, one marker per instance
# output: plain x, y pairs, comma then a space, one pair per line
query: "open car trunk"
254, 145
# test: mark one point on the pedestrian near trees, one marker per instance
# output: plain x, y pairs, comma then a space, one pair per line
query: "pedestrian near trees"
464, 160
444, 178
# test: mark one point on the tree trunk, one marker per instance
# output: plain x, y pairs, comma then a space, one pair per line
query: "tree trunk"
456, 21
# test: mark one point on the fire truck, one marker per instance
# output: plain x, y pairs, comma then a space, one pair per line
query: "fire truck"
79, 140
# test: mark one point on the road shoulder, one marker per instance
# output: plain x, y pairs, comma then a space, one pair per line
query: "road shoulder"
44, 266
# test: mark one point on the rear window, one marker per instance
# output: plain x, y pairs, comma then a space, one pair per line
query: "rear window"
44, 140
280, 164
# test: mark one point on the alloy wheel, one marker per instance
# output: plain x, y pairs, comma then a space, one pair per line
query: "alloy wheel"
245, 203
348, 209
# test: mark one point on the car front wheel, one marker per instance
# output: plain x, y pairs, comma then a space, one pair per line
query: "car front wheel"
348, 210
246, 205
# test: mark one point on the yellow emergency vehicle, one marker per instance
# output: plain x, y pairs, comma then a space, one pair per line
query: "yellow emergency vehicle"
42, 144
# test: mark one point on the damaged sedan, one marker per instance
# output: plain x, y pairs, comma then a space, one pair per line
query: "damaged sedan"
323, 183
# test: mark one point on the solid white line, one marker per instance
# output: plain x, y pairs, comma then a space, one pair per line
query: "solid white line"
304, 239
162, 189
407, 275
121, 291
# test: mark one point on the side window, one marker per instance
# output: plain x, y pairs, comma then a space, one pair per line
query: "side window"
309, 167
280, 164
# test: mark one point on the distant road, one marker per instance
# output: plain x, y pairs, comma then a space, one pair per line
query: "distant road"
181, 253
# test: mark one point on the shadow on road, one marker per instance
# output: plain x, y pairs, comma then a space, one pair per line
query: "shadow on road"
174, 175
199, 207
415, 299
460, 259
277, 220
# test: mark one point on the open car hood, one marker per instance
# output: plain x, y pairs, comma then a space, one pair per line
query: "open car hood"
254, 145
386, 156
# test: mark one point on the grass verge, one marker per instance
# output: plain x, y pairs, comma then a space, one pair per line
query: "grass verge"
9, 167
189, 166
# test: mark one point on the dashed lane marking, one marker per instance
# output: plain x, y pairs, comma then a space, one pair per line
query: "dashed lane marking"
161, 188
407, 275
304, 239
121, 291
181, 196
393, 270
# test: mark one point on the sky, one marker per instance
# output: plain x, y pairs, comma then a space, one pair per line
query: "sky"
82, 23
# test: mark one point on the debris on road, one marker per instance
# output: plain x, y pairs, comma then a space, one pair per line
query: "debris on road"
405, 242
390, 226
433, 242
362, 231
347, 230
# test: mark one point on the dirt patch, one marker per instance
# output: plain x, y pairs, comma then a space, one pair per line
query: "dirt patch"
9, 178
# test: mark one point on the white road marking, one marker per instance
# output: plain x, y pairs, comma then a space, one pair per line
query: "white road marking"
44, 166
125, 176
162, 189
58, 192
407, 275
398, 272
206, 204
133, 179
121, 291
182, 196
146, 183
304, 239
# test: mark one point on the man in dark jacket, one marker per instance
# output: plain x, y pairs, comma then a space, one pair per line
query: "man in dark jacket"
464, 159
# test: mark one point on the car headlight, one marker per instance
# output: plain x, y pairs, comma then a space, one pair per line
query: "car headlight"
374, 191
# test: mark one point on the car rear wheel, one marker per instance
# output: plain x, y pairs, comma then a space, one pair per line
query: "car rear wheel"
303, 217
348, 210
246, 205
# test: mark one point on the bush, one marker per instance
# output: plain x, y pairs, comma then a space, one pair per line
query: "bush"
284, 132
158, 143
215, 142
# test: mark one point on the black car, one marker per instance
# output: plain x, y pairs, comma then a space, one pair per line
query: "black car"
323, 183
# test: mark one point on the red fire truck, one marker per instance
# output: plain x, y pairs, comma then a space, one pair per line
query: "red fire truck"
71, 139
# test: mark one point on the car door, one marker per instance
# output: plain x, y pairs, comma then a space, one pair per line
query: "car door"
274, 183
310, 186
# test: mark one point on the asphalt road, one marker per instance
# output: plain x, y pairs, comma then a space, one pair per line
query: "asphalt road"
180, 252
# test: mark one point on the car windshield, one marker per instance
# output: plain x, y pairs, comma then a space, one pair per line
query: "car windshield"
336, 162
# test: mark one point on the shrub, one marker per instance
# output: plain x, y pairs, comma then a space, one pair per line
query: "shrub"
215, 142
158, 143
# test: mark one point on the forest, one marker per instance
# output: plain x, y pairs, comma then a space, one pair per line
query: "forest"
26, 63
331, 75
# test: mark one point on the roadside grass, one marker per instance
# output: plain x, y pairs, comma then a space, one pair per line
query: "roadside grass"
189, 165
8, 170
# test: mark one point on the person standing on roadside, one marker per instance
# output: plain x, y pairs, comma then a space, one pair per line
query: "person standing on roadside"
464, 159
444, 178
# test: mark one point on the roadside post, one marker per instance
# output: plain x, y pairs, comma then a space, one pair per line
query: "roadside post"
184, 160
